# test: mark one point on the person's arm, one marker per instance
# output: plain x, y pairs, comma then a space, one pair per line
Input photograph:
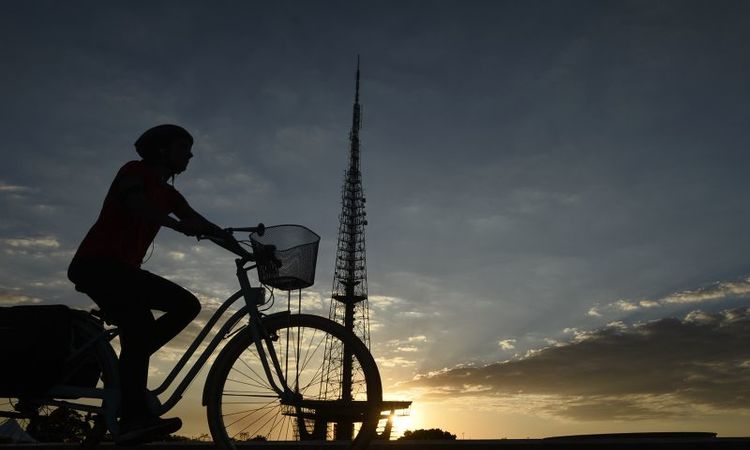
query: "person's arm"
197, 225
133, 192
192, 221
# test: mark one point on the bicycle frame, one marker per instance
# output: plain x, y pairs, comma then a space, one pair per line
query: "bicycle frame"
253, 297
68, 392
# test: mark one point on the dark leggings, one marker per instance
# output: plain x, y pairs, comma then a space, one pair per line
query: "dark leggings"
127, 295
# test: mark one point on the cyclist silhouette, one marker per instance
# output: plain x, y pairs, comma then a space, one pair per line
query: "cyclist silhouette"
107, 268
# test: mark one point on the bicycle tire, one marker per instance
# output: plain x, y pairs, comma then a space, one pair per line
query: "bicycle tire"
33, 414
263, 415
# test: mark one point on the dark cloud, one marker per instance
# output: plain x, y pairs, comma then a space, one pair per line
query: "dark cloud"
639, 371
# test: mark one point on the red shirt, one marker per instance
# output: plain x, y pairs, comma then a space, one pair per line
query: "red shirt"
120, 234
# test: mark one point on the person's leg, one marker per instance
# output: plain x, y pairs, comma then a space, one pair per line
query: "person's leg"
117, 289
136, 335
180, 307
121, 292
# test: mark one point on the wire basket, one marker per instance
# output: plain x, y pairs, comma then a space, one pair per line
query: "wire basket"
286, 256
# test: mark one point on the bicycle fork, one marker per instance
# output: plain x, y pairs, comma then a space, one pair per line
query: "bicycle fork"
262, 339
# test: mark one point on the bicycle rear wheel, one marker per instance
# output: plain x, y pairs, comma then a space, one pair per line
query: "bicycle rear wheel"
242, 405
65, 414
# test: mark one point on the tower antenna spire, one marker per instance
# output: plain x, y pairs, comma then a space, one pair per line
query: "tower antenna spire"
356, 92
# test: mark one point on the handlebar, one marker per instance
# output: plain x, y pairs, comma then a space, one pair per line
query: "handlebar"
228, 242
260, 230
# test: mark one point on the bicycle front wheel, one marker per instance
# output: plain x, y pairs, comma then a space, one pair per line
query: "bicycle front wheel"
319, 404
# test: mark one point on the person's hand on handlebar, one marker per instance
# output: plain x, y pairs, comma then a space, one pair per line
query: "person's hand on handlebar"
200, 228
194, 226
224, 238
218, 235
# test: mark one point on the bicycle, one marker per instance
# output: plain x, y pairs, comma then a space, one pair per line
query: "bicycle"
271, 381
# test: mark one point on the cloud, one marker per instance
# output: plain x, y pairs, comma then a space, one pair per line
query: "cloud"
624, 305
396, 361
664, 367
716, 292
33, 243
635, 407
43, 247
407, 349
177, 256
409, 342
12, 188
384, 301
9, 298
302, 144
400, 353
507, 344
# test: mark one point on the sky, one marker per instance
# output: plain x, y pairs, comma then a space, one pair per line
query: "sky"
556, 191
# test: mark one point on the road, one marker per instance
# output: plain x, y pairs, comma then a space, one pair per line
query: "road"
608, 443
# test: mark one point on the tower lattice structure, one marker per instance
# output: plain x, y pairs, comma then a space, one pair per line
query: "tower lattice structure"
349, 304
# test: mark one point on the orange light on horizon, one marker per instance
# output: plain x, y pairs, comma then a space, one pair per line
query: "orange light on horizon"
401, 423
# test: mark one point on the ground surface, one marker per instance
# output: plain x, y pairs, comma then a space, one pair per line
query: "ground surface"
608, 443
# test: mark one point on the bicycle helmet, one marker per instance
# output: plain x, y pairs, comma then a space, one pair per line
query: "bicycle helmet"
159, 137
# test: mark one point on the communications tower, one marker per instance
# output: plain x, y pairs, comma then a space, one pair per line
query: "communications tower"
349, 304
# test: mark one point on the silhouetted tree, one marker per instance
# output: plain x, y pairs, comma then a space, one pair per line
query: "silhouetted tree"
431, 434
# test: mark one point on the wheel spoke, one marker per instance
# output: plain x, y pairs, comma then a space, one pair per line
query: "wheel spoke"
270, 405
260, 379
260, 386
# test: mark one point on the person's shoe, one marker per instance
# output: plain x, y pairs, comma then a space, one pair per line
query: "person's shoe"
140, 431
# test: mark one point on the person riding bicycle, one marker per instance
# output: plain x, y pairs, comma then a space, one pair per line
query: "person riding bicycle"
107, 267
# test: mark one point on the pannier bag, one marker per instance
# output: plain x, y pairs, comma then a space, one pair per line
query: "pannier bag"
82, 367
34, 343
